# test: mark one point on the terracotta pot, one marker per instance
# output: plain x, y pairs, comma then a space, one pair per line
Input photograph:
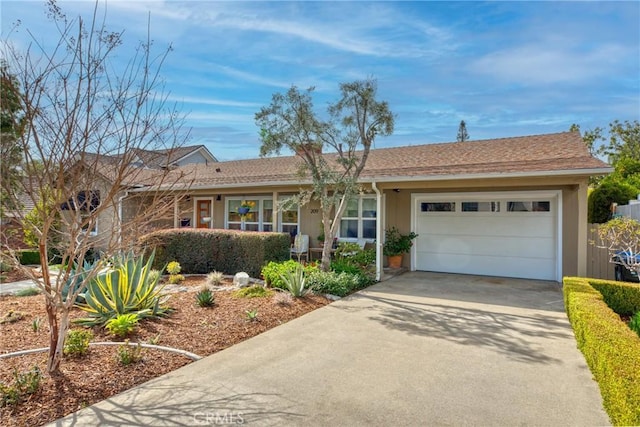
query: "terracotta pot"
395, 261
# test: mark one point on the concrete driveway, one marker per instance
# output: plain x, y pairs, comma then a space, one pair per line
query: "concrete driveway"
420, 349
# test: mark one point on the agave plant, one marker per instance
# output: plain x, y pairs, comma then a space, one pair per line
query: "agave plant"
76, 279
125, 288
295, 281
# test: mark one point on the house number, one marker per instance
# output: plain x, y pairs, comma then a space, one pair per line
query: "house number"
315, 211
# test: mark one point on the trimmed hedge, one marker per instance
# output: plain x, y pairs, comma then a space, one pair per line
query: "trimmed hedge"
29, 256
611, 349
622, 297
228, 251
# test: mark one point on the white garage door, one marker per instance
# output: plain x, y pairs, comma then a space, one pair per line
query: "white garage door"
495, 234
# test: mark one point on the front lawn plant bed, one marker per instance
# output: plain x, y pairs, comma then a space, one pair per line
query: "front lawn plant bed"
102, 373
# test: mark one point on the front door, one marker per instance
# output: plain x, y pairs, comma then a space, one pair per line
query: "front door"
203, 214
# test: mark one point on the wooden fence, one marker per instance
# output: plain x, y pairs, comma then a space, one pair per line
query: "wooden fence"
631, 210
598, 265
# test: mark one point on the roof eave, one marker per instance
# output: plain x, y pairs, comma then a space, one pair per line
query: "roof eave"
367, 180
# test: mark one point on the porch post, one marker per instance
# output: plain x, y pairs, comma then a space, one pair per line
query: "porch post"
583, 229
379, 231
274, 212
175, 211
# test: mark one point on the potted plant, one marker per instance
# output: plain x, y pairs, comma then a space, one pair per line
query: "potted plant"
396, 244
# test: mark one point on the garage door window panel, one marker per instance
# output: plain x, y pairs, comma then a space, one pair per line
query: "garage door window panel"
529, 206
480, 206
438, 206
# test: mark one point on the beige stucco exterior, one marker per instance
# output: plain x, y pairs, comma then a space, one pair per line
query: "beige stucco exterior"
396, 198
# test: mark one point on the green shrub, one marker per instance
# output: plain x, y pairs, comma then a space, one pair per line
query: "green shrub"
125, 288
610, 348
123, 324
339, 284
634, 323
174, 279
609, 191
29, 257
205, 298
272, 272
621, 297
256, 291
77, 342
28, 292
128, 354
229, 251
24, 384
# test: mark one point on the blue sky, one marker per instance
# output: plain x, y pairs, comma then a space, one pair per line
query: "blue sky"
506, 68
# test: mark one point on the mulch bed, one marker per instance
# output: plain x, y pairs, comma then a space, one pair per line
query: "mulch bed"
98, 375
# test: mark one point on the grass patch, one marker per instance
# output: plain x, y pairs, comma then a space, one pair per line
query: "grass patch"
28, 292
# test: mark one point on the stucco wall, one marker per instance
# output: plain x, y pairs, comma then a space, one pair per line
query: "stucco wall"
398, 208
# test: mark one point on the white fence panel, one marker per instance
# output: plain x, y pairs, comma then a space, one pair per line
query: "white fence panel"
632, 210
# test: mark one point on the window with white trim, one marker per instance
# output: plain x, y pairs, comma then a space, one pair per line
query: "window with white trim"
359, 219
260, 217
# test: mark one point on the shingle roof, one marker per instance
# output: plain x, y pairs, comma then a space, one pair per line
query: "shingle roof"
163, 158
537, 154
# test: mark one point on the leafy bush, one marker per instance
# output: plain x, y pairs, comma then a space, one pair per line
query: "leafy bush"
125, 288
256, 291
229, 251
610, 348
634, 323
29, 257
205, 298
215, 278
272, 272
339, 284
128, 354
77, 342
24, 384
621, 297
295, 281
608, 192
174, 279
173, 267
123, 324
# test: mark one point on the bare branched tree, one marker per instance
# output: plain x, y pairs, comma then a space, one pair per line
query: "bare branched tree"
621, 237
355, 121
86, 121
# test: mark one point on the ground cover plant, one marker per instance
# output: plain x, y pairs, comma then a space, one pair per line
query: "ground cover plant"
107, 370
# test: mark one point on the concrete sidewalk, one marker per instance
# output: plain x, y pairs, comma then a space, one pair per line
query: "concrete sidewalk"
420, 349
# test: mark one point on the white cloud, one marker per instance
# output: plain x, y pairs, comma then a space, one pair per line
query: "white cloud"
545, 63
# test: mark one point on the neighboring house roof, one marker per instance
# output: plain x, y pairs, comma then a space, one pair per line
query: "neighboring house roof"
169, 157
559, 153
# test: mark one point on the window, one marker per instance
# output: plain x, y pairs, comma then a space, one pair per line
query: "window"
359, 219
438, 206
289, 220
260, 217
84, 203
480, 206
529, 206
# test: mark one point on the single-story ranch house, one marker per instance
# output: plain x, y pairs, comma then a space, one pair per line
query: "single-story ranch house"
513, 207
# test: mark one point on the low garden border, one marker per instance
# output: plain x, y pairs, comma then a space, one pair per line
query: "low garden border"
184, 353
610, 347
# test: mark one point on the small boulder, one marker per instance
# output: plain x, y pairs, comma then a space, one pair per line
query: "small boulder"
241, 279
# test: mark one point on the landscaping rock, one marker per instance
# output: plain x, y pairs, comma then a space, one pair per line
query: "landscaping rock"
332, 297
241, 279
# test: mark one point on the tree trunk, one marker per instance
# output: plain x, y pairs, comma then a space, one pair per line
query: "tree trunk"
55, 353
